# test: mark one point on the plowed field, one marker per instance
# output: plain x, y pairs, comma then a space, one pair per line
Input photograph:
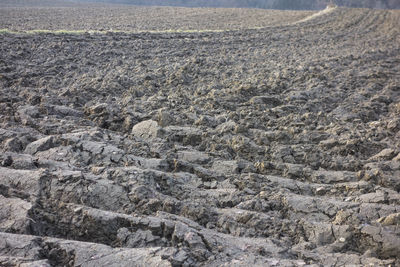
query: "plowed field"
199, 137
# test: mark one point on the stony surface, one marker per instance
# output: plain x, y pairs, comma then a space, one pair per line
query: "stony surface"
265, 147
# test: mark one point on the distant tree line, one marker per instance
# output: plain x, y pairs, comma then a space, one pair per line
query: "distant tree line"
268, 4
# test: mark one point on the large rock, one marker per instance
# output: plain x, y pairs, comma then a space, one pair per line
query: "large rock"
146, 130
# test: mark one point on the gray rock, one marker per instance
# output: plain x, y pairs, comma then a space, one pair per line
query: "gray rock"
146, 130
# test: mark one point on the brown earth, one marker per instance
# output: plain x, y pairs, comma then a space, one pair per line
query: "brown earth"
276, 146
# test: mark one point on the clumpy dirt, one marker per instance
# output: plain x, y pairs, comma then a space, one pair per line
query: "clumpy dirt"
266, 147
136, 19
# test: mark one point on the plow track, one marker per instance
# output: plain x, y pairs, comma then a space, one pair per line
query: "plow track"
272, 145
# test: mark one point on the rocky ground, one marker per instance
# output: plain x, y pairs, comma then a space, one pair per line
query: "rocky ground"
276, 146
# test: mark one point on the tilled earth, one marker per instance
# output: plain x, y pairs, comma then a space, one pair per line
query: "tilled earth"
139, 19
276, 146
